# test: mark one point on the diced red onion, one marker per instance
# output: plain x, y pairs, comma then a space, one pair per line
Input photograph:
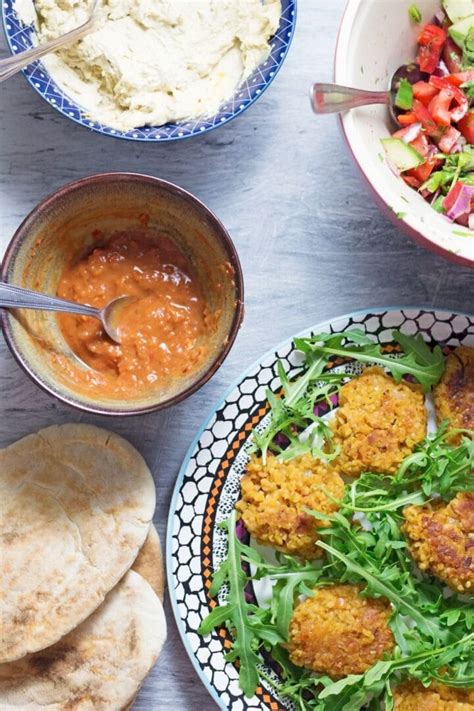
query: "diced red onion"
412, 133
441, 70
462, 206
471, 221
440, 15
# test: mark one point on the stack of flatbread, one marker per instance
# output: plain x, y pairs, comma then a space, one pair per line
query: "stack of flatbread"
81, 575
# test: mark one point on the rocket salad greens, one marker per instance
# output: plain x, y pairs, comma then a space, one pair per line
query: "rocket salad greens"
432, 632
363, 541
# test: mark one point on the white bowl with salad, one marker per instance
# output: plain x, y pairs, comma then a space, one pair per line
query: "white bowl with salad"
423, 169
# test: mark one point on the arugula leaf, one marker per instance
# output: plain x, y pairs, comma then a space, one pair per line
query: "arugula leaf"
422, 364
236, 613
293, 428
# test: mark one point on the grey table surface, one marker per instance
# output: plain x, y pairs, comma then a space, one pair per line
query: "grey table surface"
313, 245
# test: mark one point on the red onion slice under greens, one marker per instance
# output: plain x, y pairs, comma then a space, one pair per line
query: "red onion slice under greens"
471, 221
462, 204
441, 70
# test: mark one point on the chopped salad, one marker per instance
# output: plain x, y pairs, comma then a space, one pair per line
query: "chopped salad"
433, 151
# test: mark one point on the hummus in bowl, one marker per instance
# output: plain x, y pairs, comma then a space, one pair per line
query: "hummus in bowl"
186, 65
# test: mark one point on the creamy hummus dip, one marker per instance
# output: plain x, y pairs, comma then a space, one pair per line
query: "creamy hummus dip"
150, 62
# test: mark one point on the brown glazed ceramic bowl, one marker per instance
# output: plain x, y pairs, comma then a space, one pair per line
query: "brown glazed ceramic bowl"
60, 228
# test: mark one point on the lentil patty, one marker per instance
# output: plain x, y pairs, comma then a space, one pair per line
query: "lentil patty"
337, 632
454, 394
441, 540
378, 423
275, 497
413, 696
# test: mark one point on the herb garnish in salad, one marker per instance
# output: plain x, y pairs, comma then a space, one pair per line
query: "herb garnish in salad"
433, 150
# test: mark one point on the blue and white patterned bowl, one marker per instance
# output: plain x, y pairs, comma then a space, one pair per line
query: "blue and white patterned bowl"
20, 37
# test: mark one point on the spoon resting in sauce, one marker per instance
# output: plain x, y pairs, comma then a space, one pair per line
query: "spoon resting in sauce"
15, 297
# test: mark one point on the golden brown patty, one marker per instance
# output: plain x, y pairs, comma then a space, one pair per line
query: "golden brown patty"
441, 538
275, 497
412, 696
378, 423
337, 632
454, 395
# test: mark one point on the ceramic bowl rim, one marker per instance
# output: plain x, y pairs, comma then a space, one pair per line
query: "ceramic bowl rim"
224, 239
416, 235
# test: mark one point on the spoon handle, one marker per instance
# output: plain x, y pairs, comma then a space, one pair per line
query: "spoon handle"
14, 297
12, 65
332, 99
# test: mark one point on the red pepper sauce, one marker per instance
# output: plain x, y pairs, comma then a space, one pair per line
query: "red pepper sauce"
161, 329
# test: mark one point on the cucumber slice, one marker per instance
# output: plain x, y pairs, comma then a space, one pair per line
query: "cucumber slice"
458, 9
400, 155
460, 30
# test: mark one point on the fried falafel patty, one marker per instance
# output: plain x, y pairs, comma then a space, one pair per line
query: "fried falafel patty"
441, 540
276, 496
454, 394
378, 423
337, 632
413, 696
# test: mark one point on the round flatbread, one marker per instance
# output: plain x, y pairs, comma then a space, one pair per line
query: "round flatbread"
75, 507
100, 665
149, 562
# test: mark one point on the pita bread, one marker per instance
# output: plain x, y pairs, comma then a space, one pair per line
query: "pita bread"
75, 507
149, 563
100, 665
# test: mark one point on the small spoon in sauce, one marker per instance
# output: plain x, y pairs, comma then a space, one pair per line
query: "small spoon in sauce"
14, 297
333, 99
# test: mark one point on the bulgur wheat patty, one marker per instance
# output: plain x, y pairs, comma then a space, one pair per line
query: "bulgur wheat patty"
454, 394
441, 540
275, 497
378, 423
337, 632
413, 696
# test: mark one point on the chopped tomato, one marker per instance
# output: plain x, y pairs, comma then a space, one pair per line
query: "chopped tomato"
441, 107
452, 196
426, 119
424, 92
466, 126
461, 77
407, 119
452, 56
431, 40
421, 145
424, 171
412, 182
450, 138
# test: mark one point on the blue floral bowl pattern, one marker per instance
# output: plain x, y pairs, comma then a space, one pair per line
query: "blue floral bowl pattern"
20, 37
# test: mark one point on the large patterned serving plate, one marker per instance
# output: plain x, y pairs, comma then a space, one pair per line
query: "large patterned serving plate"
21, 37
208, 487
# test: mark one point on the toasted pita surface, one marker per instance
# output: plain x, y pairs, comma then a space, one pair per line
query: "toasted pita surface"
75, 507
149, 562
100, 665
